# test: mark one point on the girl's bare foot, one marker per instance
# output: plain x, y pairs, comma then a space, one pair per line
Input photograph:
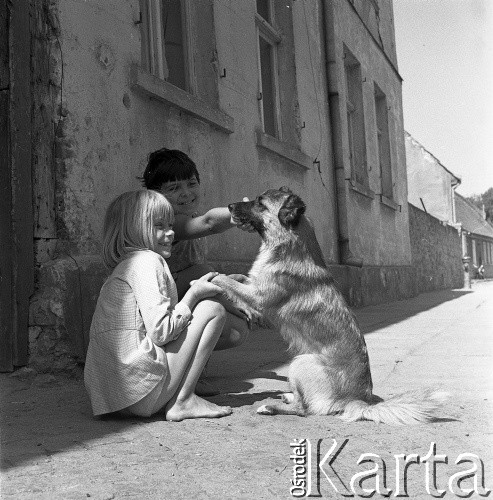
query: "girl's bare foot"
195, 407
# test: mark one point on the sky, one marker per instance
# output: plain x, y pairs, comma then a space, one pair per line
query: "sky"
445, 57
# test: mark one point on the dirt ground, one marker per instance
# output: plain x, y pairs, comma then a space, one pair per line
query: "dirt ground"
52, 447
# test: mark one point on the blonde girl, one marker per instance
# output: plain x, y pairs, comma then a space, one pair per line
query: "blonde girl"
147, 349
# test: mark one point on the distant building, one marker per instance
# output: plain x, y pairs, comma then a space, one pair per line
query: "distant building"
479, 235
431, 185
435, 237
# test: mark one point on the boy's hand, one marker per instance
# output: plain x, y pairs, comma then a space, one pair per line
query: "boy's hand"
203, 288
244, 227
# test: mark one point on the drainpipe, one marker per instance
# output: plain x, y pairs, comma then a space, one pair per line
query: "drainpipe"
328, 24
455, 183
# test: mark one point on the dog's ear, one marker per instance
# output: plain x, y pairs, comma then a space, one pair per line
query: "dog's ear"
285, 189
291, 211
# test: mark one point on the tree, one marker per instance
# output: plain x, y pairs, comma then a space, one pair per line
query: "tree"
485, 199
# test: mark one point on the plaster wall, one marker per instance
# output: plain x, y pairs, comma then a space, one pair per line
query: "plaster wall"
378, 233
378, 17
108, 128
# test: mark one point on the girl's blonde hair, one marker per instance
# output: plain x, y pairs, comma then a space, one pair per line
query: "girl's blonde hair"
129, 223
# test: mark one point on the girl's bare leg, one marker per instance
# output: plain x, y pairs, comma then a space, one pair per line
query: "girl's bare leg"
234, 333
187, 356
235, 330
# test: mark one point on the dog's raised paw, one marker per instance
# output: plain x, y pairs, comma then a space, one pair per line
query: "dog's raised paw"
265, 410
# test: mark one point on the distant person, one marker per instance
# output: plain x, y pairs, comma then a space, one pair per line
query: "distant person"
481, 272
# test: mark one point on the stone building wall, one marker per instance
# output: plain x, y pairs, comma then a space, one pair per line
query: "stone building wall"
436, 252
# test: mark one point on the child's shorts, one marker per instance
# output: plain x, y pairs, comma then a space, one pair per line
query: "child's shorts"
152, 402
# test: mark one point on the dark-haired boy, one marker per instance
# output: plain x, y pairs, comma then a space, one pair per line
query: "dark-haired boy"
175, 175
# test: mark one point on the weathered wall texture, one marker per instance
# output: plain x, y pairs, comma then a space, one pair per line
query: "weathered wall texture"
377, 233
429, 182
61, 312
436, 252
108, 127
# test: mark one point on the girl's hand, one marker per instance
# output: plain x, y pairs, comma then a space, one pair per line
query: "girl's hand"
203, 288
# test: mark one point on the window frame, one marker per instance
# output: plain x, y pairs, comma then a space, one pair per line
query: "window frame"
201, 100
351, 117
153, 48
356, 126
267, 30
384, 144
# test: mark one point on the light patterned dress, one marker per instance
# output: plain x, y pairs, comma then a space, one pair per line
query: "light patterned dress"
136, 313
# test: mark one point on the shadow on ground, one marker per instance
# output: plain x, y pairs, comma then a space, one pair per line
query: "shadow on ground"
375, 317
47, 415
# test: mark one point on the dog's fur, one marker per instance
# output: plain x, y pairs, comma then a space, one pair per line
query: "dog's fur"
290, 287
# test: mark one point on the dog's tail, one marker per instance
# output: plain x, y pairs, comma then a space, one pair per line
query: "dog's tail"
410, 408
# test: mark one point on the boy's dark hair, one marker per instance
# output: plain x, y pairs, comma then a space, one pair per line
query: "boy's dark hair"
166, 165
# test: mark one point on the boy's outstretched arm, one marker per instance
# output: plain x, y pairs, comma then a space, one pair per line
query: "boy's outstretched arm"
214, 221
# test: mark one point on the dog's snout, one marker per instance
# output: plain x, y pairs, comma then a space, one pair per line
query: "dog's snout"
231, 207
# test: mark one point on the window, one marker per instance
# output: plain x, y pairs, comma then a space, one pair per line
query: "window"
383, 143
178, 52
166, 44
268, 54
355, 119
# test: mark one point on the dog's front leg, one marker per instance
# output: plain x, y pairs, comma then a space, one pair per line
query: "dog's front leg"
242, 294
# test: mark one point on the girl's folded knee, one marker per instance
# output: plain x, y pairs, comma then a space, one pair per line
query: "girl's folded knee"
213, 308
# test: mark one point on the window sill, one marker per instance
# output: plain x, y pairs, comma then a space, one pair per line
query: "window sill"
156, 88
388, 202
285, 150
361, 189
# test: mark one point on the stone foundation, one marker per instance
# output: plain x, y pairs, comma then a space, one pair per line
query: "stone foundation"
61, 311
436, 251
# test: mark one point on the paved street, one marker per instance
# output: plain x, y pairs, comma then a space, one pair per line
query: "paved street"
52, 448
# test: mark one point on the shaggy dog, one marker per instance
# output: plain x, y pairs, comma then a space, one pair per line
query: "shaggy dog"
290, 287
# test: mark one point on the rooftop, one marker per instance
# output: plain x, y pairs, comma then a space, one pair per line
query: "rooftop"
471, 217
